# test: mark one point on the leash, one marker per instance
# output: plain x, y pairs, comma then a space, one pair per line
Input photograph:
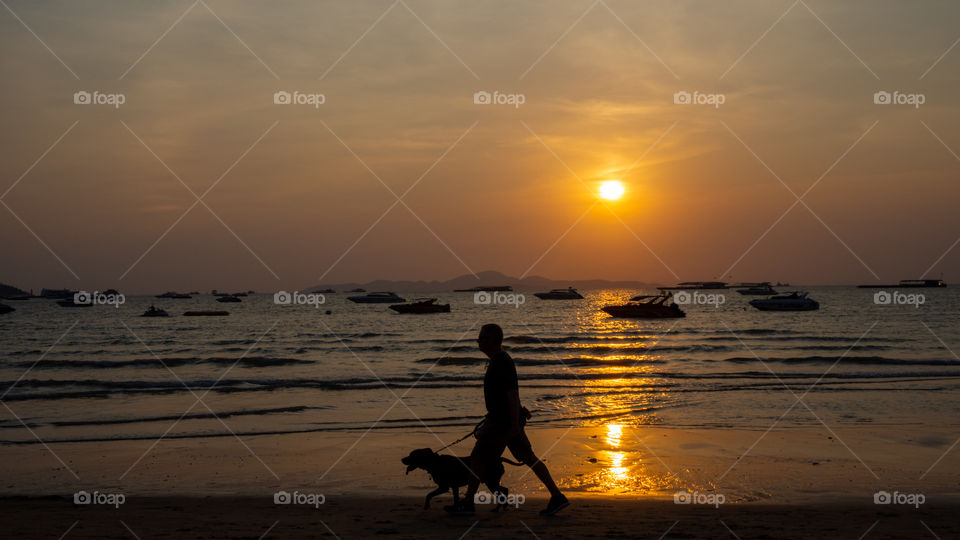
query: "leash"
465, 437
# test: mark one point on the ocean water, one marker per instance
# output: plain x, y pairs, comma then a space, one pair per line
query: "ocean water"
104, 373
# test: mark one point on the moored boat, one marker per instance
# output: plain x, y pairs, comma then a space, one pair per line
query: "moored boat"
647, 307
377, 298
560, 294
155, 312
6, 309
175, 295
793, 301
757, 289
422, 305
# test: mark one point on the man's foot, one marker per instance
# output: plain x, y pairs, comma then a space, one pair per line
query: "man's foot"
556, 504
462, 508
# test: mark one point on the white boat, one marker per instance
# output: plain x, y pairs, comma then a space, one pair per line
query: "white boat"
560, 294
794, 301
757, 289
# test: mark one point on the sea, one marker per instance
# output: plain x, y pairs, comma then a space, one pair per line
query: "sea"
104, 373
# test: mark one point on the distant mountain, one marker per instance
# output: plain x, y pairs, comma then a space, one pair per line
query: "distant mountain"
8, 291
486, 278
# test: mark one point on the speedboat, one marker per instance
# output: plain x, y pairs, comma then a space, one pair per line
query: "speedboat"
377, 298
757, 289
5, 309
695, 285
794, 301
154, 312
560, 294
358, 289
909, 284
228, 298
647, 307
171, 294
422, 305
57, 294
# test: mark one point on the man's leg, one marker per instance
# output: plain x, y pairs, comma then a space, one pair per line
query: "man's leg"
521, 449
540, 469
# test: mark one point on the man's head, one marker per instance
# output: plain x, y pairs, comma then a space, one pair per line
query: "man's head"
490, 339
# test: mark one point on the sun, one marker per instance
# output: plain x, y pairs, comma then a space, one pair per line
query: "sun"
611, 190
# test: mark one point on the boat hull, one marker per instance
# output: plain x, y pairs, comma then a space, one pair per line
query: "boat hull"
415, 309
644, 312
369, 300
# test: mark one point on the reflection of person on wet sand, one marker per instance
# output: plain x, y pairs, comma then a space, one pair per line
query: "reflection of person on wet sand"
503, 426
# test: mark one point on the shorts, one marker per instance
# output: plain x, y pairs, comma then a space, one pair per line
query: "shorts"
492, 440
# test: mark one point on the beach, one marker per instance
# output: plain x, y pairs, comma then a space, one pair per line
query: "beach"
628, 482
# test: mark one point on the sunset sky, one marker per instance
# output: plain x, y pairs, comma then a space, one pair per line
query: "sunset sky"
295, 189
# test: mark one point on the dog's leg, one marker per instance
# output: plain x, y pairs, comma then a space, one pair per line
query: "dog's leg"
433, 494
456, 494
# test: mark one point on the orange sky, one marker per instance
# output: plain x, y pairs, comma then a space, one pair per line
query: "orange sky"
297, 189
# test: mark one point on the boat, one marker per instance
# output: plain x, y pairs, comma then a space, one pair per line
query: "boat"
206, 313
239, 294
758, 289
422, 305
792, 301
357, 290
487, 288
57, 294
377, 298
6, 309
327, 291
647, 307
69, 302
560, 294
909, 284
228, 298
171, 294
154, 312
695, 285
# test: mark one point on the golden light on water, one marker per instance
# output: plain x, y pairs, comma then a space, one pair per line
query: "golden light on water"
617, 472
611, 190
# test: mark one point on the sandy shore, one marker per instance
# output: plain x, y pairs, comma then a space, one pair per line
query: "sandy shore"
382, 517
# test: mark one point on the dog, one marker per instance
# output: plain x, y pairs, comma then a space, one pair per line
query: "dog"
452, 472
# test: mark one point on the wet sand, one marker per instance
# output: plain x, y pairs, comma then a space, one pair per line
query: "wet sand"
403, 518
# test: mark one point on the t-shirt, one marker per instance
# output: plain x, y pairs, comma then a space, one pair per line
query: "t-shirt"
501, 377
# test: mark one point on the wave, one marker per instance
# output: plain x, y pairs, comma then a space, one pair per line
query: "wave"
247, 361
178, 417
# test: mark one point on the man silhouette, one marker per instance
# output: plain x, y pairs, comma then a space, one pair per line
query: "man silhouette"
503, 426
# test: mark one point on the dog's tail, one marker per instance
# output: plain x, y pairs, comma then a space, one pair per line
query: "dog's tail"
514, 463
